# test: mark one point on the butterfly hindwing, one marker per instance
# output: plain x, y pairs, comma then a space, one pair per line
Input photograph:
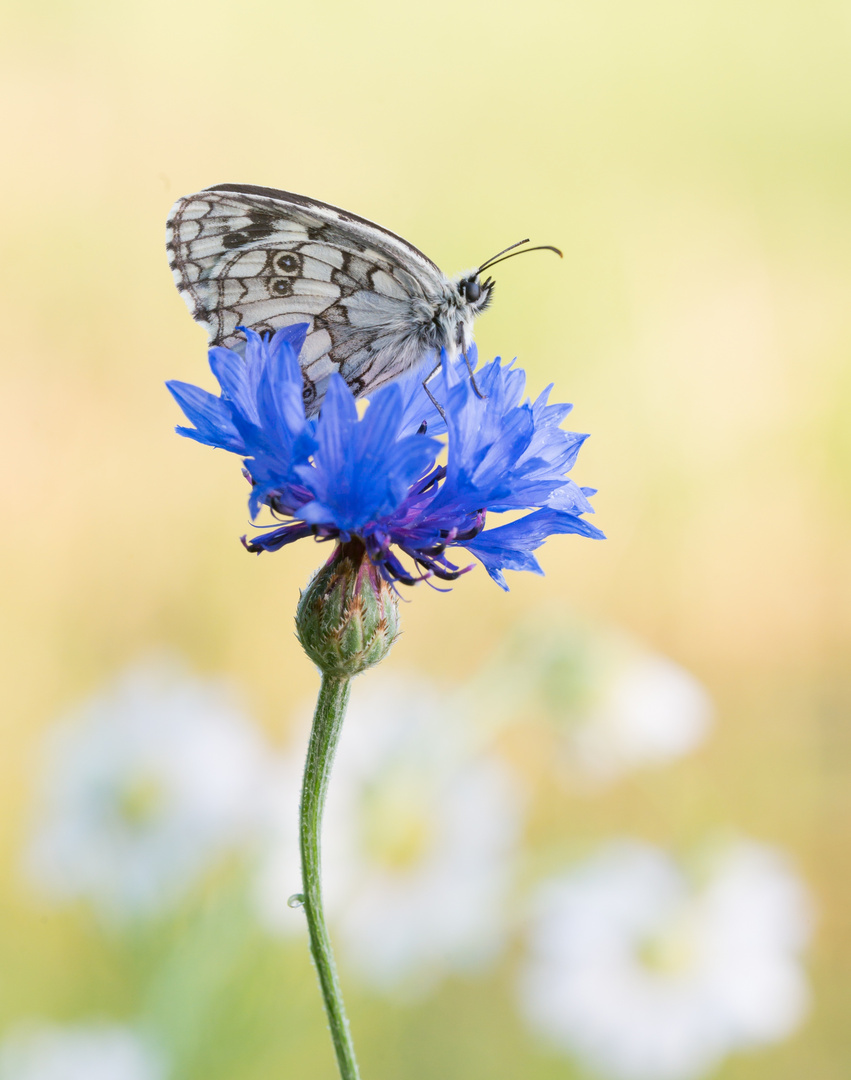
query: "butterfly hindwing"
247, 258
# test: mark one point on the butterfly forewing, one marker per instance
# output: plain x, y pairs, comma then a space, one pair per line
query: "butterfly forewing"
262, 259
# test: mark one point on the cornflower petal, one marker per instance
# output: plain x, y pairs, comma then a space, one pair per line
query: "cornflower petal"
510, 547
572, 498
362, 470
232, 373
210, 415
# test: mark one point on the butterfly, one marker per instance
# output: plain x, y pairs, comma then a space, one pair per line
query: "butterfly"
375, 305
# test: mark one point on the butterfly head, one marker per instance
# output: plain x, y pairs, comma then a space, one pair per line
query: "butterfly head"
473, 293
463, 299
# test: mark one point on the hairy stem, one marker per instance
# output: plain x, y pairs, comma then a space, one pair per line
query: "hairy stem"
327, 724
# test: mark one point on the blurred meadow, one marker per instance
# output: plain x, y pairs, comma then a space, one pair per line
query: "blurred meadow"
681, 688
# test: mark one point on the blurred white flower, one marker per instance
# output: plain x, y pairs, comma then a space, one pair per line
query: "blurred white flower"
419, 842
78, 1052
645, 975
141, 788
612, 705
646, 710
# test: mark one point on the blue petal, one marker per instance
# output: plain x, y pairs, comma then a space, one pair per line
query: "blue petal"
509, 547
232, 372
572, 498
289, 335
211, 416
279, 394
335, 430
362, 470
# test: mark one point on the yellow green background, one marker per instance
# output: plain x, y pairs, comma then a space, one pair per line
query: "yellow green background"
693, 160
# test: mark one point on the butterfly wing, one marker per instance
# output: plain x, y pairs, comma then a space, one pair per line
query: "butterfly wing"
263, 258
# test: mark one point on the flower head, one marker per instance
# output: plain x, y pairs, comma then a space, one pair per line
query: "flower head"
385, 477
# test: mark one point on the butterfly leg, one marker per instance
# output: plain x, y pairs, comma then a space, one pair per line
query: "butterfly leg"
435, 370
479, 394
432, 399
431, 396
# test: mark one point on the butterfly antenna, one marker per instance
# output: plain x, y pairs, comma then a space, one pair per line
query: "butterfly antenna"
541, 247
511, 247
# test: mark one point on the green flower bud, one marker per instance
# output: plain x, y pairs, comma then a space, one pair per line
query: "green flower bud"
348, 616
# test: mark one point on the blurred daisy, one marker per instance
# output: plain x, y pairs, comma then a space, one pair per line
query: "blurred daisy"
78, 1052
645, 975
141, 788
644, 710
613, 705
421, 839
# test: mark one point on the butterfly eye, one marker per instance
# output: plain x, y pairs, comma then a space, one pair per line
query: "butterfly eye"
473, 290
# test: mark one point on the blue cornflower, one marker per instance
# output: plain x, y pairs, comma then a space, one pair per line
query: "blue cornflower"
386, 478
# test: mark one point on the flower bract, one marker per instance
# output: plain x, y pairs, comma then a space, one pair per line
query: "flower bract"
397, 475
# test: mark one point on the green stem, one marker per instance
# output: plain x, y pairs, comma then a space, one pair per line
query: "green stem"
327, 724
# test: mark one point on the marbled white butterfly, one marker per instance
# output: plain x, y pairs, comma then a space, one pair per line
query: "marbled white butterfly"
376, 306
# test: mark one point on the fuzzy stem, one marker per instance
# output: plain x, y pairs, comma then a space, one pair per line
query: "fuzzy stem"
327, 724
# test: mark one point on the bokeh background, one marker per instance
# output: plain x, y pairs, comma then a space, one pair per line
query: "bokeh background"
694, 163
